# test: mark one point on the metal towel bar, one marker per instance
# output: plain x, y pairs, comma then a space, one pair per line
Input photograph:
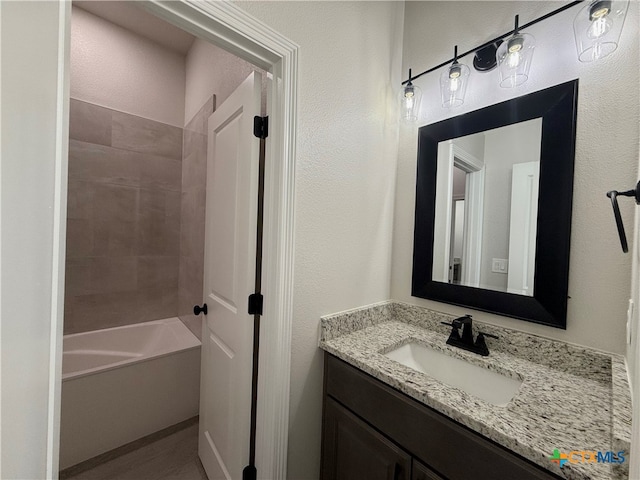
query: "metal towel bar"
613, 195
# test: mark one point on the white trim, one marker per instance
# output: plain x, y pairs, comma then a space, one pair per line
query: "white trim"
466, 161
59, 240
474, 214
231, 28
474, 217
441, 271
1, 410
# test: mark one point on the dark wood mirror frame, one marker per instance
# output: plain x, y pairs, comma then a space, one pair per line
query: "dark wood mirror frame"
557, 106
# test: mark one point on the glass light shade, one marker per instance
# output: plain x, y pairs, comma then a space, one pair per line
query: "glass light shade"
597, 28
514, 59
453, 85
410, 98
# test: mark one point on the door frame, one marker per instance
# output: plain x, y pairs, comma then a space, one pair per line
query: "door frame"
231, 28
474, 214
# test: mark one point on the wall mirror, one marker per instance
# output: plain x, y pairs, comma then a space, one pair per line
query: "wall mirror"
493, 207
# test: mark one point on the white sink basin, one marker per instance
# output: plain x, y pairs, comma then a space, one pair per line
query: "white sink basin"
485, 384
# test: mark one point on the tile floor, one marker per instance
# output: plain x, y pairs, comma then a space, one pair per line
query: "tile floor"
172, 457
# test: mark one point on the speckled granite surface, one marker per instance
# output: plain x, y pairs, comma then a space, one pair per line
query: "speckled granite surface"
571, 398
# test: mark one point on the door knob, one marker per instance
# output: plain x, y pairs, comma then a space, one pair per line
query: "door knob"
200, 309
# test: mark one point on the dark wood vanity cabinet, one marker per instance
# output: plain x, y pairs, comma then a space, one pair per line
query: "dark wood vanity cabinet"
358, 451
372, 431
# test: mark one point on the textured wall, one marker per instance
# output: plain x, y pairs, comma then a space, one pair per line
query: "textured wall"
346, 153
118, 69
633, 350
211, 70
123, 219
606, 150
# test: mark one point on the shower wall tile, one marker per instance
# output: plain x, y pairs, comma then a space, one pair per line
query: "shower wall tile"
158, 223
115, 203
200, 120
102, 164
158, 272
194, 142
160, 172
194, 174
113, 274
142, 135
89, 123
77, 278
80, 199
154, 303
79, 238
194, 169
193, 223
114, 237
123, 219
100, 310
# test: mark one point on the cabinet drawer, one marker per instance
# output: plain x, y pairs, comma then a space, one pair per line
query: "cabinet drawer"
447, 447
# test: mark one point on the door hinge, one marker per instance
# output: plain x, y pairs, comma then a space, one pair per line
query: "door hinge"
255, 304
261, 126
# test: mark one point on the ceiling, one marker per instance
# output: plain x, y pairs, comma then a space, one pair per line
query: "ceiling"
131, 17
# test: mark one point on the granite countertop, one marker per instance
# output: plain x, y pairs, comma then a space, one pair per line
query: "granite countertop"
571, 398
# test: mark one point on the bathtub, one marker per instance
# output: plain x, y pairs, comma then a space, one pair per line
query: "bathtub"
123, 383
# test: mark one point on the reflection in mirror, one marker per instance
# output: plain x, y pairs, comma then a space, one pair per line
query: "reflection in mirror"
487, 208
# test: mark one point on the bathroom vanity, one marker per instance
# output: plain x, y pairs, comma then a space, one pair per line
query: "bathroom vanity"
385, 420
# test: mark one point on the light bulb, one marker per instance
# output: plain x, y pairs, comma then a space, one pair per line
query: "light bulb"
454, 77
513, 59
514, 47
410, 97
408, 102
453, 84
599, 27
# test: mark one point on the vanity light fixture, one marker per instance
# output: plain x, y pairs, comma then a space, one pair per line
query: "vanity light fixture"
514, 58
597, 28
410, 98
453, 82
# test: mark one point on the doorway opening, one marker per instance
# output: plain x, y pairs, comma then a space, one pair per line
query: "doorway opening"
136, 200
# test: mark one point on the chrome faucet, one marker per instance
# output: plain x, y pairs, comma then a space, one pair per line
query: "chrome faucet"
466, 341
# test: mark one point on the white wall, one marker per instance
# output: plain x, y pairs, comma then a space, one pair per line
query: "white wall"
503, 147
116, 68
347, 146
633, 350
211, 70
606, 149
33, 172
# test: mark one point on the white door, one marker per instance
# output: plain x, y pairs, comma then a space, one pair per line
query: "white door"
229, 279
523, 228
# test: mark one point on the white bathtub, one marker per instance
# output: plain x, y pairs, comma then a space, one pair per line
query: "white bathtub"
120, 384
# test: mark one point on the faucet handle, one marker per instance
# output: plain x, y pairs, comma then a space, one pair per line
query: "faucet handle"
490, 335
481, 345
455, 334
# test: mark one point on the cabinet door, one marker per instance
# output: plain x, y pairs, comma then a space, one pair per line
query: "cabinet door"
422, 472
352, 450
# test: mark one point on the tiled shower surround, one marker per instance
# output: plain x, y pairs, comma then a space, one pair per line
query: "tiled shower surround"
194, 183
135, 227
123, 227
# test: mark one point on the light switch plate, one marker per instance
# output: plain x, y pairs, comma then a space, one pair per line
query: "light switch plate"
499, 265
